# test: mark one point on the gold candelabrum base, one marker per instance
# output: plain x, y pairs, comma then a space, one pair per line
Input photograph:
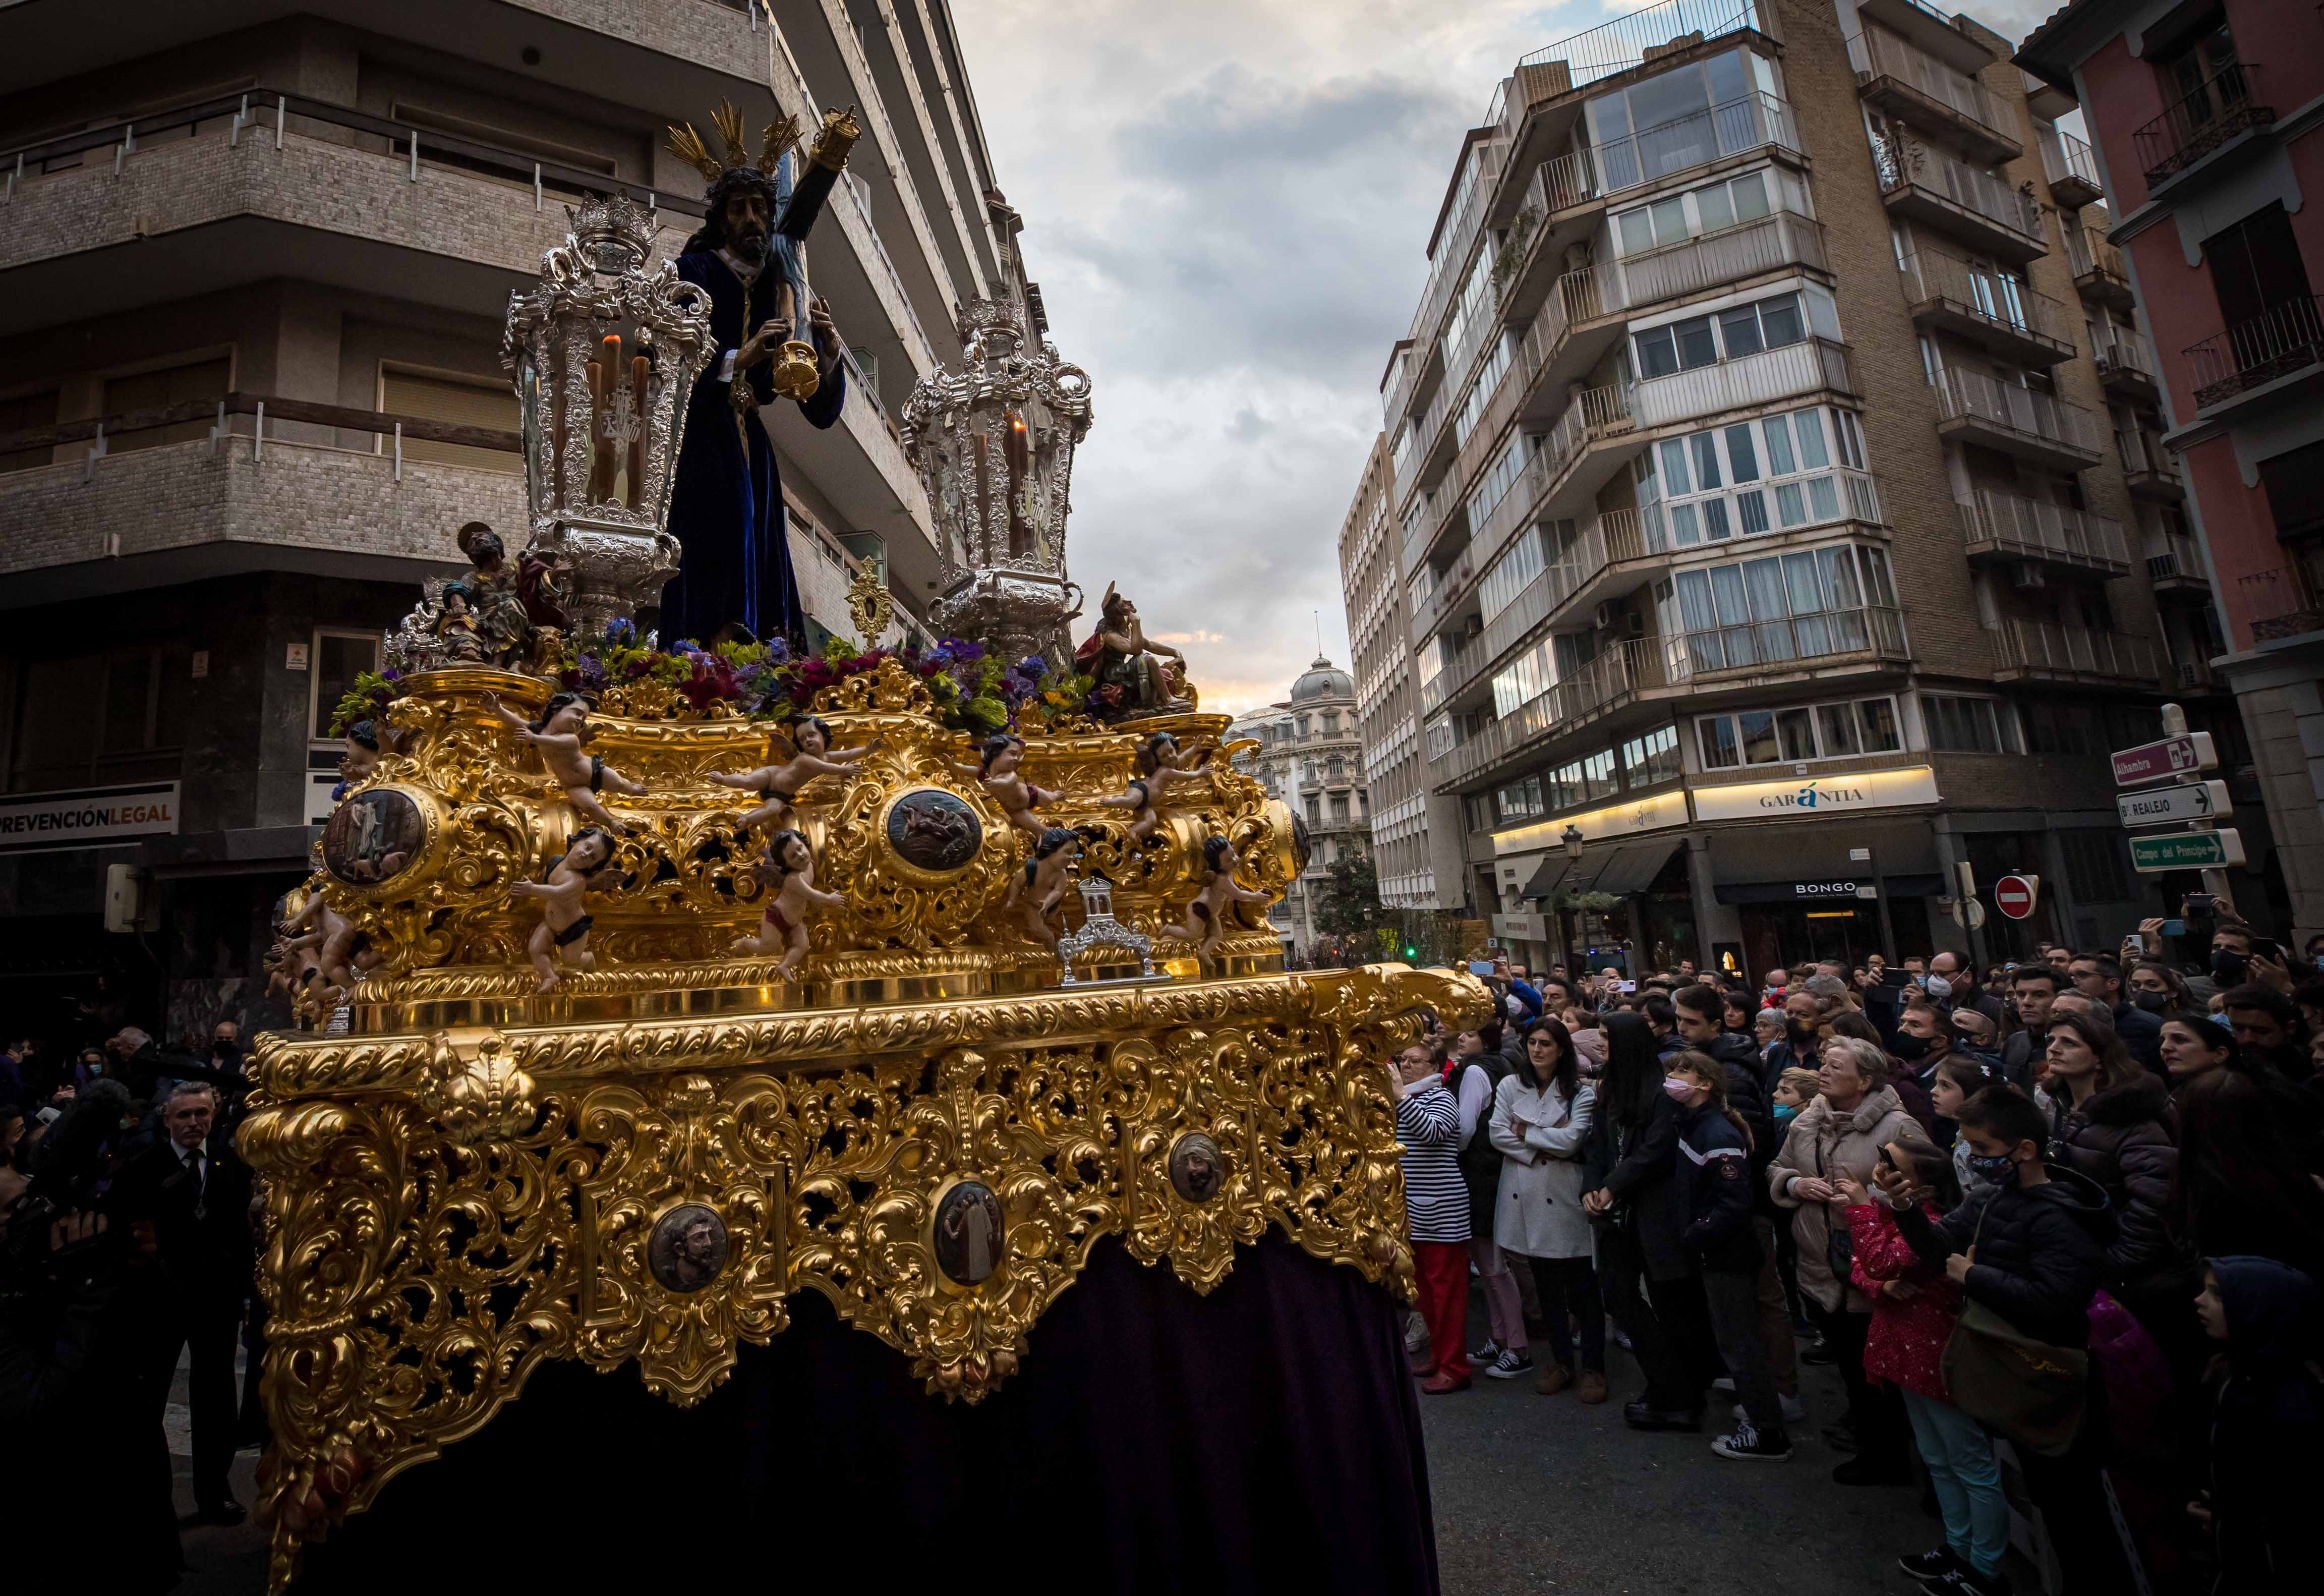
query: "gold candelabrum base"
470, 1177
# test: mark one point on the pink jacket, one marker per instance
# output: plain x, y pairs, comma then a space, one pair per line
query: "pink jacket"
1907, 1344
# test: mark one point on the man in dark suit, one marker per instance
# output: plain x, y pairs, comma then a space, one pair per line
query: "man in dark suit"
194, 1194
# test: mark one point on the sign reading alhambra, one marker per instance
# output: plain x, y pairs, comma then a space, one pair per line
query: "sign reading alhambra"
35, 822
1806, 799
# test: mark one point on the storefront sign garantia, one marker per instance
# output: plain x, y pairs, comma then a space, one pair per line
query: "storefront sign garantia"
1817, 795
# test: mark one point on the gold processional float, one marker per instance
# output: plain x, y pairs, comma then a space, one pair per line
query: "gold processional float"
631, 1006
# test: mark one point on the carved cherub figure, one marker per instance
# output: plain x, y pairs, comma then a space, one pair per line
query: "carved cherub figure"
1206, 916
362, 755
789, 871
559, 732
1160, 765
1002, 753
781, 783
323, 943
564, 928
1035, 889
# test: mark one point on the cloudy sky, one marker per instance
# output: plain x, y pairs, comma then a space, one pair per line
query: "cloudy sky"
1226, 203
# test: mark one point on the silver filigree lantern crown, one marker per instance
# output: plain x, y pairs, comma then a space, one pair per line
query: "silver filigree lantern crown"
994, 442
604, 354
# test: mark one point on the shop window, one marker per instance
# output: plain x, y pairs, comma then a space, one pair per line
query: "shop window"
1519, 800
1968, 725
1598, 775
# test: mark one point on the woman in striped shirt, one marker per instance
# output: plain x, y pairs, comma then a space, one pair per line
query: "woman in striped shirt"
1437, 1202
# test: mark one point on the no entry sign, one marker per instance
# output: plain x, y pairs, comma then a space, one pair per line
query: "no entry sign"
2013, 895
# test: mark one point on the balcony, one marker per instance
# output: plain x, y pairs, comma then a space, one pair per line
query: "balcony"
1907, 81
2125, 372
1926, 185
2191, 676
1930, 28
1770, 243
1652, 154
2007, 527
2223, 107
2024, 328
2100, 273
2071, 167
1816, 365
1604, 684
2176, 569
2149, 470
2039, 428
2044, 651
2279, 604
237, 505
2286, 341
1766, 648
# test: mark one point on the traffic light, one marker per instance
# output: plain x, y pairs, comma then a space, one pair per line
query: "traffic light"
1411, 951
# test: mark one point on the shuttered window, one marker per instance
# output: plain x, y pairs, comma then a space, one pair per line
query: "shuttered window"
22, 414
479, 404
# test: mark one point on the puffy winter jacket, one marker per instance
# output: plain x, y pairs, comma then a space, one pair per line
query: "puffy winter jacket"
1714, 1182
2128, 1141
1825, 1146
2037, 1251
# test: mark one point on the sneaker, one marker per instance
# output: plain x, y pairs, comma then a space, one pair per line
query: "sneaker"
1486, 1353
1510, 1365
1415, 1335
1792, 1410
1749, 1445
1724, 1384
1930, 1565
1967, 1582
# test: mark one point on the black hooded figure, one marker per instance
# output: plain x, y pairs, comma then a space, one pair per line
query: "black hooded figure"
726, 505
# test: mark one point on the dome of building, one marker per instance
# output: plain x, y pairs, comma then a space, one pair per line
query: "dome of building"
1322, 680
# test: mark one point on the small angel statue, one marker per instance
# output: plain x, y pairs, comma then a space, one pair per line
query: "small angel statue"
789, 871
559, 732
564, 928
1206, 916
1002, 753
1160, 767
1035, 892
779, 784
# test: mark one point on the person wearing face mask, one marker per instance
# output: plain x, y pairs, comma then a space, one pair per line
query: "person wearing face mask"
2270, 1029
1959, 978
1796, 1048
2098, 978
2157, 988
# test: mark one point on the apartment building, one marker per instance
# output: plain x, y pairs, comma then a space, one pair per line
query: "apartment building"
254, 267
2204, 118
1388, 708
1765, 552
1311, 756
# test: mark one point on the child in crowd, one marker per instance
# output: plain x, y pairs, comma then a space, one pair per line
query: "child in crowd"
1913, 1306
2267, 1436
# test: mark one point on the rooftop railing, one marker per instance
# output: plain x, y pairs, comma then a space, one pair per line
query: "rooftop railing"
2219, 108
1633, 41
2284, 338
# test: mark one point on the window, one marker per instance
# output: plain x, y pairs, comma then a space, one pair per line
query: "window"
1598, 775
1651, 758
1335, 769
1682, 217
1315, 810
22, 414
1302, 729
1798, 606
334, 662
1674, 120
1782, 736
469, 402
2063, 728
1339, 805
2255, 265
1518, 801
1746, 329
1968, 725
1753, 477
1495, 479
1509, 575
202, 382
1565, 786
98, 719
2094, 865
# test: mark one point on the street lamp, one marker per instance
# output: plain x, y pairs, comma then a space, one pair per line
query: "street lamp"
1573, 839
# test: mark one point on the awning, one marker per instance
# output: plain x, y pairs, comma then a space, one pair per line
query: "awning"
1633, 868
1552, 870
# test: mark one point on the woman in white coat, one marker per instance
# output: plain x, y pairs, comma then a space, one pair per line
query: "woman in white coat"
1541, 1121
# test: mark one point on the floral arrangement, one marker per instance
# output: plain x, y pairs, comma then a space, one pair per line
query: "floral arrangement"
974, 691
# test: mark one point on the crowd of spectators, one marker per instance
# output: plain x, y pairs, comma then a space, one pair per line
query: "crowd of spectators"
2060, 1222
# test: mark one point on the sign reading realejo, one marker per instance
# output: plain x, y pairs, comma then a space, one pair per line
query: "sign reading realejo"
36, 822
2160, 805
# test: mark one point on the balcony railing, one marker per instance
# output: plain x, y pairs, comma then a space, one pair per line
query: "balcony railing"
1631, 41
1903, 164
1767, 645
2279, 604
1450, 264
1756, 120
2284, 338
2177, 561
2069, 163
1876, 55
2144, 456
2123, 355
2040, 531
2221, 106
2001, 302
1775, 241
1964, 396
2048, 648
1808, 367
1616, 537
1633, 666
